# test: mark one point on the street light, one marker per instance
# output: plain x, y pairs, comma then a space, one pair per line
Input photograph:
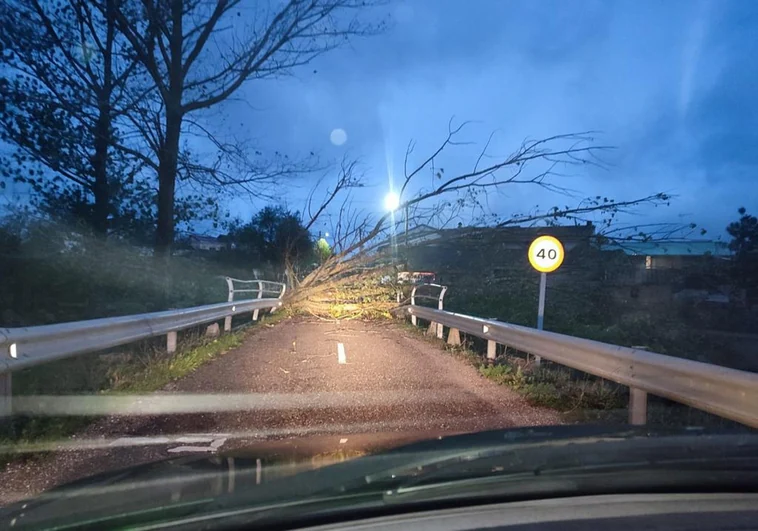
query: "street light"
391, 201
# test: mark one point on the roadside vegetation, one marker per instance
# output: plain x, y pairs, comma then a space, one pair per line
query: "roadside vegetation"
578, 396
587, 311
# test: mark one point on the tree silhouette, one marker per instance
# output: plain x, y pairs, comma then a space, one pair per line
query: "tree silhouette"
744, 233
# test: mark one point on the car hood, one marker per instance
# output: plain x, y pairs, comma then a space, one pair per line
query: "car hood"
275, 472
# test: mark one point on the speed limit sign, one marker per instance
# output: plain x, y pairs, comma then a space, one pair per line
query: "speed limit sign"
546, 254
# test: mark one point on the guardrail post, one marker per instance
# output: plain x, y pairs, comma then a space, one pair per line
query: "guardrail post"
280, 297
260, 296
6, 394
171, 342
440, 327
491, 351
637, 407
432, 330
453, 337
413, 303
230, 298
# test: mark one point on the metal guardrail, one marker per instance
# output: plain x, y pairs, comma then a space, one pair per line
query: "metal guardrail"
21, 348
264, 286
440, 298
728, 393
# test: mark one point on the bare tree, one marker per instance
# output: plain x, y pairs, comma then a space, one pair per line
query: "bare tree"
199, 54
362, 241
64, 88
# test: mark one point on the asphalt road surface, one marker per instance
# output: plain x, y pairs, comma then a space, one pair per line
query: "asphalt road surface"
316, 387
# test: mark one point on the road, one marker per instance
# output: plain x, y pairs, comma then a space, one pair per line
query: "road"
317, 387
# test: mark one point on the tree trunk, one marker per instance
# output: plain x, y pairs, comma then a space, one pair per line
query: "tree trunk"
169, 155
100, 189
167, 184
100, 172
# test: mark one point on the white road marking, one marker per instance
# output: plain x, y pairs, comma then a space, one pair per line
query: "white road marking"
215, 440
193, 449
215, 445
341, 358
139, 441
195, 439
343, 441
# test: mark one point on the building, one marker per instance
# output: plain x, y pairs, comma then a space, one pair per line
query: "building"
200, 242
658, 272
466, 254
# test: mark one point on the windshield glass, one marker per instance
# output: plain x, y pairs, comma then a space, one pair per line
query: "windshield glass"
294, 234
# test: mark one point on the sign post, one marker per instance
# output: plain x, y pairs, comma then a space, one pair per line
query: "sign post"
541, 306
546, 255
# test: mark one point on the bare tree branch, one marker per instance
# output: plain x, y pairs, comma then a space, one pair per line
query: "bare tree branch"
206, 63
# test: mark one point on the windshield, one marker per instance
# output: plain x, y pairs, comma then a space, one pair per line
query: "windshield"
297, 234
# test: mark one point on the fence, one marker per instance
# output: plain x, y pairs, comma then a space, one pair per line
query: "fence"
263, 286
25, 347
439, 298
728, 393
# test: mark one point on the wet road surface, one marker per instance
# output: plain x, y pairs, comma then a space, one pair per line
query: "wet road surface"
323, 387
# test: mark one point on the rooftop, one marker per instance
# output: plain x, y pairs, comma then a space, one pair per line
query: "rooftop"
425, 233
673, 248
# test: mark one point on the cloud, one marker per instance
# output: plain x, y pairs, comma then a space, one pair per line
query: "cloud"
691, 54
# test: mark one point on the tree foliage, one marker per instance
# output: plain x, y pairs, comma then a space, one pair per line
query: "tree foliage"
63, 87
744, 244
274, 235
323, 250
98, 99
199, 54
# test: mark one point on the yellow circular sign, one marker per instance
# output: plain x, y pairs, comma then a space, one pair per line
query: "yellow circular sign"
546, 254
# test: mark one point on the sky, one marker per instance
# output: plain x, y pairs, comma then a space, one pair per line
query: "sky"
669, 84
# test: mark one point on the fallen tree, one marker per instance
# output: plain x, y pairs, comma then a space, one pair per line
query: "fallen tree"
358, 278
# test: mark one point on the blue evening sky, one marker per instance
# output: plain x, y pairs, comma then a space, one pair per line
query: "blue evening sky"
671, 84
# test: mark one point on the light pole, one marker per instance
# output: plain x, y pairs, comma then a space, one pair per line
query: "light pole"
392, 203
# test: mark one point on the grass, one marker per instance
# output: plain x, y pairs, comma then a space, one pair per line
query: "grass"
580, 397
551, 385
556, 387
162, 368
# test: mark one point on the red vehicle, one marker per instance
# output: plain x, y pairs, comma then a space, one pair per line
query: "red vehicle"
416, 277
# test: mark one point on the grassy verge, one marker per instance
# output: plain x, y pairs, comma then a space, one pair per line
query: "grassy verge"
556, 387
550, 385
159, 369
579, 397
